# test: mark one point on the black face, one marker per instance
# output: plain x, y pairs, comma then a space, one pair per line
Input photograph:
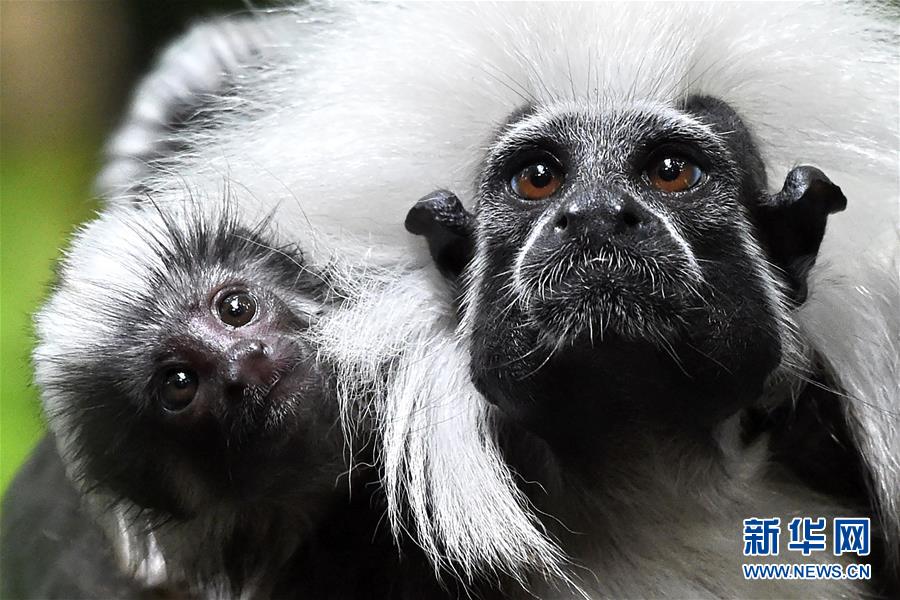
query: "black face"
214, 394
623, 267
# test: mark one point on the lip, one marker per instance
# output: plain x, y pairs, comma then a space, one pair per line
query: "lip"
610, 291
606, 269
652, 271
264, 422
288, 380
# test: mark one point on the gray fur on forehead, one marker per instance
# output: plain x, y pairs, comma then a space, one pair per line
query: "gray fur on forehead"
614, 127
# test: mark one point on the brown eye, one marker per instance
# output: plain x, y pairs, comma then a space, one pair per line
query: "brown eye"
673, 174
179, 388
237, 309
537, 181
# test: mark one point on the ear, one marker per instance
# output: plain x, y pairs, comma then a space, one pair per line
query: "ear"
447, 226
791, 223
189, 77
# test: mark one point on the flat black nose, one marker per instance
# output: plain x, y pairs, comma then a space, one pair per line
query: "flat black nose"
597, 219
249, 364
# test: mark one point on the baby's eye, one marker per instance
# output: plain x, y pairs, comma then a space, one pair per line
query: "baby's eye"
237, 308
179, 388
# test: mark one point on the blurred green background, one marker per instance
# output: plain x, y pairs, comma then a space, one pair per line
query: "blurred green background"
65, 71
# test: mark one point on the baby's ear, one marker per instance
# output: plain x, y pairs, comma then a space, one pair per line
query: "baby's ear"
791, 223
188, 81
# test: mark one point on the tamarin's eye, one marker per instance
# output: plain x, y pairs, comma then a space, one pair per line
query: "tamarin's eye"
537, 181
179, 388
673, 174
237, 309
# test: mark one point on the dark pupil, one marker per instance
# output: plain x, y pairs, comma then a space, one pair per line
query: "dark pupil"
540, 175
237, 305
237, 309
670, 169
179, 389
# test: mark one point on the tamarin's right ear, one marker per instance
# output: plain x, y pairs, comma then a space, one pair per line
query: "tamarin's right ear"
448, 227
188, 78
792, 223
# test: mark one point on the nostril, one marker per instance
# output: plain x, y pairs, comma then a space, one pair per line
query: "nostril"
562, 222
236, 390
630, 218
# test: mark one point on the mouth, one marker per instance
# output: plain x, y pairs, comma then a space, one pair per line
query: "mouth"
274, 377
269, 412
289, 381
574, 293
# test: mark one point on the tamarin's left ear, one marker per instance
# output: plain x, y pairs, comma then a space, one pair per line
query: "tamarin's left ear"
791, 223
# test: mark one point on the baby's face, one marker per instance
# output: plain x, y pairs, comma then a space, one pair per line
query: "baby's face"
207, 389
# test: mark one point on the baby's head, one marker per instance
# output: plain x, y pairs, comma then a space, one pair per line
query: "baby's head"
174, 365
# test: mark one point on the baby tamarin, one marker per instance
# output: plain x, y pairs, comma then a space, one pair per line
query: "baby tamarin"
186, 399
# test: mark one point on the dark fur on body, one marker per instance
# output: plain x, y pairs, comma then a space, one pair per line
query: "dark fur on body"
51, 547
347, 554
